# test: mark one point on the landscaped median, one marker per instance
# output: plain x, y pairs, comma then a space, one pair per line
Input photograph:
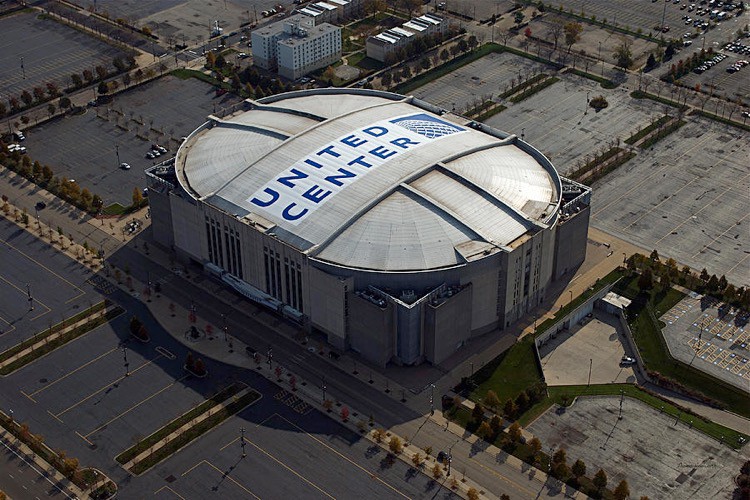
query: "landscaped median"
186, 428
56, 336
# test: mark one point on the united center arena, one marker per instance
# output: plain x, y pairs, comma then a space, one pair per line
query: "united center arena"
395, 228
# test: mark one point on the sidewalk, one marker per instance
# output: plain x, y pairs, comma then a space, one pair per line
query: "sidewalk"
49, 472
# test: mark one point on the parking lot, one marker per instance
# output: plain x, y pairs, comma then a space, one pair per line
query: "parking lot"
657, 458
90, 147
596, 345
733, 85
36, 51
713, 340
687, 196
57, 287
559, 122
485, 78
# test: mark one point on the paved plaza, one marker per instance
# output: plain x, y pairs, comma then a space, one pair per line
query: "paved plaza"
657, 458
596, 345
712, 340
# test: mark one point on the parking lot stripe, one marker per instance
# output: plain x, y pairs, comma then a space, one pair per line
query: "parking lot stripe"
84, 438
733, 226
229, 443
72, 372
177, 381
24, 292
325, 445
227, 476
55, 417
649, 178
48, 270
170, 490
107, 386
532, 494
32, 399
248, 441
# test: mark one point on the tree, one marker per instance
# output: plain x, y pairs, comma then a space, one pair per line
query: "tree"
101, 72
579, 468
560, 457
38, 94
527, 32
102, 88
478, 412
385, 80
437, 471
646, 280
535, 444
64, 103
492, 400
473, 42
96, 202
137, 197
518, 17
472, 494
26, 97
88, 75
199, 368
377, 435
496, 424
522, 401
650, 62
713, 283
51, 109
555, 30
189, 361
395, 445
86, 199
484, 431
444, 55
572, 32
623, 55
344, 413
514, 432
622, 491
76, 79
510, 409
417, 460
600, 480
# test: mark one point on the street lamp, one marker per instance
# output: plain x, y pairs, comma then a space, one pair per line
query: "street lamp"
125, 359
432, 399
242, 441
23, 70
324, 389
31, 299
117, 153
269, 355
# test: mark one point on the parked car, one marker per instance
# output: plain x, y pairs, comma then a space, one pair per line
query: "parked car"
124, 166
627, 361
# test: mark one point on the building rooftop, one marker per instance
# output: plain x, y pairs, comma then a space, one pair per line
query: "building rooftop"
371, 180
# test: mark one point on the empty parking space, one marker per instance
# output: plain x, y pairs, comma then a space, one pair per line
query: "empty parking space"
90, 147
687, 197
30, 266
658, 458
483, 79
50, 51
711, 339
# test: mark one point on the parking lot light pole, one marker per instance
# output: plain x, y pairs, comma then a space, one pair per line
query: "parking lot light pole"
117, 153
242, 441
324, 389
432, 399
125, 359
23, 70
31, 299
269, 355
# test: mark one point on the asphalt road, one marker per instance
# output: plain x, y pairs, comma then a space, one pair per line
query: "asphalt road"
20, 478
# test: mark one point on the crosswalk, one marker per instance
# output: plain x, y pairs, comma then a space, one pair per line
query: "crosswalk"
293, 402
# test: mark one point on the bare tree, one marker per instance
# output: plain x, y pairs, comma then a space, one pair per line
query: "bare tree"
555, 31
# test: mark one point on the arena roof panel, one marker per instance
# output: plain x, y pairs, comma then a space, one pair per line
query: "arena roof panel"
371, 180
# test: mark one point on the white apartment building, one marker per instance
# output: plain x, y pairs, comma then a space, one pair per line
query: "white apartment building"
387, 42
296, 46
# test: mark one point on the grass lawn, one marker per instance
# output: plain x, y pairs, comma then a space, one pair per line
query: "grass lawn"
509, 374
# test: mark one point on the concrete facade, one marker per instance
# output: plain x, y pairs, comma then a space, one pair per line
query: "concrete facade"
296, 46
380, 46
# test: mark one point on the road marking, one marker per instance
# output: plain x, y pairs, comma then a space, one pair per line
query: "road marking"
71, 373
33, 467
170, 490
32, 399
25, 294
734, 225
248, 441
371, 474
165, 352
55, 417
223, 474
107, 386
84, 438
176, 381
531, 494
48, 270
